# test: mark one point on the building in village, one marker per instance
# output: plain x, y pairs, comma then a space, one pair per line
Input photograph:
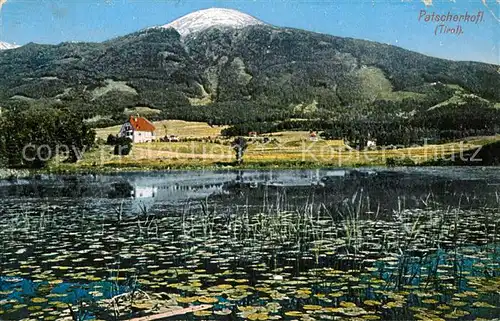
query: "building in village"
138, 129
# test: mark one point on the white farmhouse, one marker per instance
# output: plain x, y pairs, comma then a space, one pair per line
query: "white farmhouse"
138, 129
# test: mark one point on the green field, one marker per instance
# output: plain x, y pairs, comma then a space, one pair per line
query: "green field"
293, 149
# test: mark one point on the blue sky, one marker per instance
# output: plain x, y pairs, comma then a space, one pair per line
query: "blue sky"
387, 21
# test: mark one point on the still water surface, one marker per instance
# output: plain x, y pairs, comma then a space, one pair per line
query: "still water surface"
258, 245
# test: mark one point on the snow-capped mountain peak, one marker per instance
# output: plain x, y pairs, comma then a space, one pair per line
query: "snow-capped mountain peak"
5, 46
203, 19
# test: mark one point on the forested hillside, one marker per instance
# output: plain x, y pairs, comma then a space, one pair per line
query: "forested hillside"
239, 76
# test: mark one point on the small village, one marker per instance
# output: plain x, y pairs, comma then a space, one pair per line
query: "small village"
140, 130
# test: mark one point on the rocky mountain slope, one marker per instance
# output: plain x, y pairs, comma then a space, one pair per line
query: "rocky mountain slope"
232, 68
6, 46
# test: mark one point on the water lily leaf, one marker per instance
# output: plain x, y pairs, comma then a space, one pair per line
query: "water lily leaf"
39, 300
294, 313
336, 294
354, 311
392, 305
143, 305
482, 305
372, 303
202, 313
207, 300
333, 310
347, 304
312, 307
458, 303
258, 316
186, 299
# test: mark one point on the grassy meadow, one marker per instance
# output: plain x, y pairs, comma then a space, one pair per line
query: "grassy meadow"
201, 146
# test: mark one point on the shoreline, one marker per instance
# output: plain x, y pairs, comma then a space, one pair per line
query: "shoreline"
479, 153
12, 174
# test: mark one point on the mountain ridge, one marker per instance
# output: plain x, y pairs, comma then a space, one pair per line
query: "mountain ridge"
270, 72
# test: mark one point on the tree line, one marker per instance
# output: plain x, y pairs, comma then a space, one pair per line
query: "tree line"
438, 125
30, 138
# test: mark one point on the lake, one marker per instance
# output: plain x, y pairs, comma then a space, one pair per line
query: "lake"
360, 244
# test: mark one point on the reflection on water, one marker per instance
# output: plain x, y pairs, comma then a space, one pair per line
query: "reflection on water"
259, 245
175, 188
144, 191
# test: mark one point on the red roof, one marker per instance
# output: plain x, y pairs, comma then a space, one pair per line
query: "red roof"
141, 124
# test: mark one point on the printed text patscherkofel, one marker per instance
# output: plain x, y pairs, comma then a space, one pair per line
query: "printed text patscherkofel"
445, 22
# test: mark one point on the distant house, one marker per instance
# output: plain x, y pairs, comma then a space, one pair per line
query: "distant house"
169, 138
252, 134
313, 135
138, 129
371, 143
